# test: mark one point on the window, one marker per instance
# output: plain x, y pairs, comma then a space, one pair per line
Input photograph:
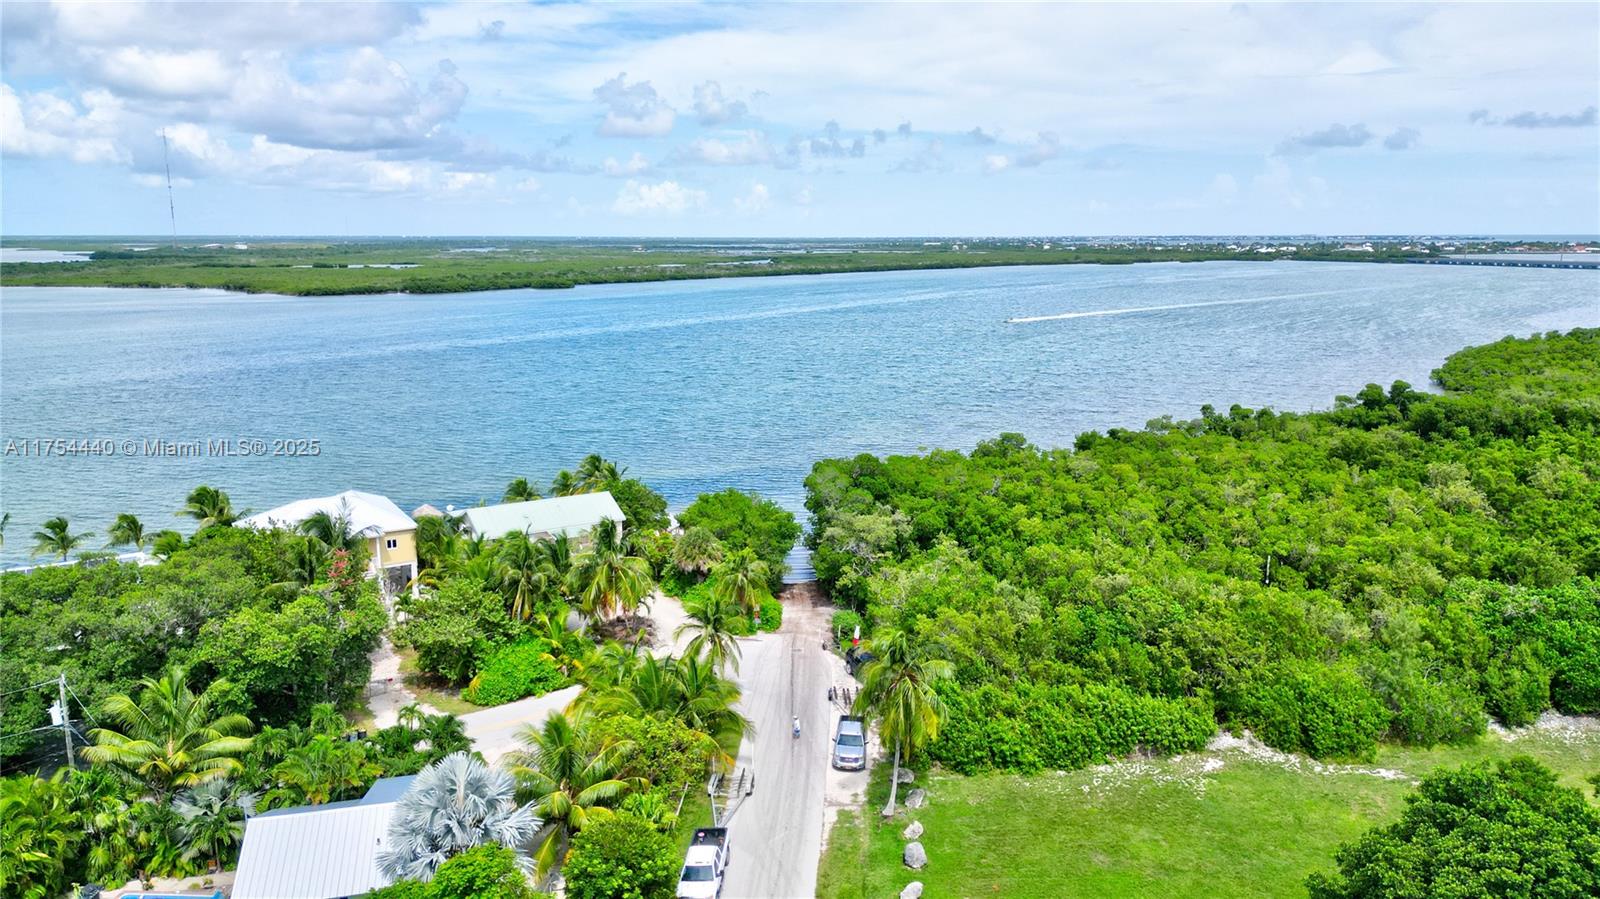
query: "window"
391, 543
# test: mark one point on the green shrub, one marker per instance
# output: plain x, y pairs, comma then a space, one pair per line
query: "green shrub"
771, 614
1321, 710
621, 857
845, 622
1027, 728
454, 629
513, 672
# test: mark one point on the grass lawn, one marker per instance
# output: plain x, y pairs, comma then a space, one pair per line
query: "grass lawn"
1205, 825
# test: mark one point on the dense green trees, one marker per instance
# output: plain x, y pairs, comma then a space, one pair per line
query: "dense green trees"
1507, 830
570, 775
745, 521
1400, 567
622, 857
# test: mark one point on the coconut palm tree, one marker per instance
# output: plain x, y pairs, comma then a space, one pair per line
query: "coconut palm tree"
697, 551
569, 651
127, 530
332, 529
686, 688
211, 819
607, 580
166, 543
565, 483
455, 804
56, 539
520, 491
521, 575
742, 579
437, 539
712, 621
897, 692
209, 506
570, 777
5, 519
555, 564
168, 737
597, 473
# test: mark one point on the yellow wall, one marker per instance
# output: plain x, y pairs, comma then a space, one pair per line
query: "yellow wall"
405, 548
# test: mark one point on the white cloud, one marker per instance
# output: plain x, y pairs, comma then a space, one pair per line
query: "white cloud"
996, 162
667, 197
42, 125
633, 165
756, 199
1046, 146
750, 148
712, 108
633, 110
194, 74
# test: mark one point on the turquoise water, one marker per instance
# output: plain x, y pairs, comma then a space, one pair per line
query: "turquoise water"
695, 385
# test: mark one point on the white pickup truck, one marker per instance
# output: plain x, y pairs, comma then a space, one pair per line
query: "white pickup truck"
705, 865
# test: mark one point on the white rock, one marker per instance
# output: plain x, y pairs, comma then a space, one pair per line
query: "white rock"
913, 831
917, 799
913, 890
915, 857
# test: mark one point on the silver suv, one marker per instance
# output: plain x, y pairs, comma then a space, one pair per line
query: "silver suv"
850, 744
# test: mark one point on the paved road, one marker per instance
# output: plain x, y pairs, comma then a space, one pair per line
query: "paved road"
777, 832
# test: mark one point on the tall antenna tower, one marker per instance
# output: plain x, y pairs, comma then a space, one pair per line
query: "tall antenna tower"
172, 211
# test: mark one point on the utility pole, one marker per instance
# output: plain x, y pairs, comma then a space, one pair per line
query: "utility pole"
66, 719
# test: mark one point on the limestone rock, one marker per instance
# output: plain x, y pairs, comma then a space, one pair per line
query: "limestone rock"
915, 857
913, 890
906, 775
913, 831
917, 799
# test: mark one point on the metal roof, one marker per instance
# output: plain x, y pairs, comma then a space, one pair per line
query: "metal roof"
319, 851
326, 853
370, 514
562, 515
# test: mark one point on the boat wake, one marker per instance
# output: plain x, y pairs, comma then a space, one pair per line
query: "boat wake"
1092, 313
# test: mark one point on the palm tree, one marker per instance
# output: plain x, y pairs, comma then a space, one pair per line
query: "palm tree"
168, 737
39, 832
211, 819
127, 530
455, 804
712, 620
597, 473
898, 692
555, 564
697, 551
568, 650
97, 796
437, 539
322, 770
569, 777
742, 579
209, 506
608, 580
5, 519
686, 688
56, 539
332, 529
520, 491
521, 577
566, 483
166, 543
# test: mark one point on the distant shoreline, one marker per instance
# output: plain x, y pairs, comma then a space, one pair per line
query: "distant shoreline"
435, 267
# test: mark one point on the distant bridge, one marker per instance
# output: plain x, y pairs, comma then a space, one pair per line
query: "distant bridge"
1512, 262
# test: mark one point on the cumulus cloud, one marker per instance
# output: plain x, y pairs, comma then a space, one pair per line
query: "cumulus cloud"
1046, 146
665, 198
1333, 136
832, 143
190, 75
633, 165
904, 130
982, 137
1402, 139
879, 135
712, 108
996, 162
748, 148
756, 199
43, 125
1585, 118
633, 110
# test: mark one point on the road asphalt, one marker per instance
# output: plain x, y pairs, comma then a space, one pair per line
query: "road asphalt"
776, 832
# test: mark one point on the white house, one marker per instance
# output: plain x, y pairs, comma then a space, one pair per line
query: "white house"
319, 851
571, 516
391, 533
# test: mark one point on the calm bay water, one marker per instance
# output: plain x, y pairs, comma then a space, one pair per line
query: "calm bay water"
696, 385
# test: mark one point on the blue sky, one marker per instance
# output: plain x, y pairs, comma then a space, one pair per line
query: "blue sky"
685, 119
